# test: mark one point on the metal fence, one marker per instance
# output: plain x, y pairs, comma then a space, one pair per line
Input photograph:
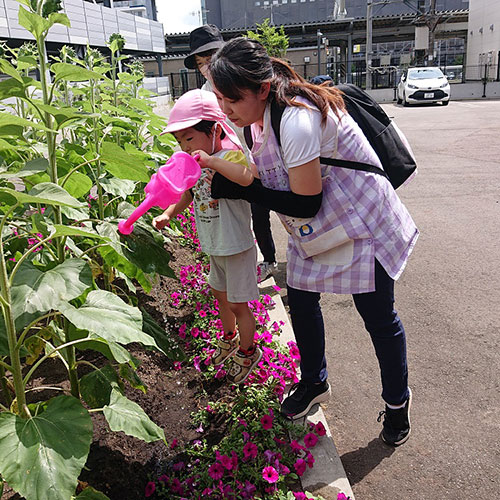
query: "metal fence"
382, 77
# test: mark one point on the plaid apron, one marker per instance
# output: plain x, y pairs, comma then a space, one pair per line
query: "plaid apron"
361, 218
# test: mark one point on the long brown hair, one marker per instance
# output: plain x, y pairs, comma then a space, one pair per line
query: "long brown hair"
244, 64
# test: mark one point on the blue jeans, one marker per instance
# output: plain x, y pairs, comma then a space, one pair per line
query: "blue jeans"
261, 225
381, 321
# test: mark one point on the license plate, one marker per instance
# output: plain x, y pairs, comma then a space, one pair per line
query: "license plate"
429, 95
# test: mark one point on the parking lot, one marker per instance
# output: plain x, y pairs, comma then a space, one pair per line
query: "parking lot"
448, 299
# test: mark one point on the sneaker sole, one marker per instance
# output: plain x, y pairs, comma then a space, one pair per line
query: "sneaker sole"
320, 398
401, 441
253, 365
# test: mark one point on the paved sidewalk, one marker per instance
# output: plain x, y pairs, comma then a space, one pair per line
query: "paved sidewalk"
327, 478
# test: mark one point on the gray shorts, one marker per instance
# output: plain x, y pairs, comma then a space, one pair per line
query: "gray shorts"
236, 275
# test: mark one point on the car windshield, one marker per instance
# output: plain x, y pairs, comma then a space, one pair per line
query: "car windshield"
424, 73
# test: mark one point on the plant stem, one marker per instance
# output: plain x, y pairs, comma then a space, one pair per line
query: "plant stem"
58, 348
10, 326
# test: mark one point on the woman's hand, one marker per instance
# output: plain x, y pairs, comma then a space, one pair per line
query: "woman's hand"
204, 158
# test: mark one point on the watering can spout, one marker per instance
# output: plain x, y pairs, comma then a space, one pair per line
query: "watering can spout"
180, 173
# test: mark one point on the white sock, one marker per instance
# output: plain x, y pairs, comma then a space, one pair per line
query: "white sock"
396, 407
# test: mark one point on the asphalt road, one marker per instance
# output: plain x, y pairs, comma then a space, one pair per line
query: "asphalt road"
449, 301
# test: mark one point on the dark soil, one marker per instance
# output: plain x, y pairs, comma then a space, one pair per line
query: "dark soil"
120, 465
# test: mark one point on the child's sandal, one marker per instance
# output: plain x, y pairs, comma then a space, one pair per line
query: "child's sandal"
225, 348
243, 365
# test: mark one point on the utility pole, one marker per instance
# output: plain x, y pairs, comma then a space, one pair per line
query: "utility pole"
369, 36
432, 23
319, 35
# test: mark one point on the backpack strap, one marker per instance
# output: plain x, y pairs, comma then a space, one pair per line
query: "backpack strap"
353, 165
276, 116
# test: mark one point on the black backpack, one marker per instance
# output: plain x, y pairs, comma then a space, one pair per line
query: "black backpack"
386, 139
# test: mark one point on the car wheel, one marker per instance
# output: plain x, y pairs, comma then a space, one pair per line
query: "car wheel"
399, 101
445, 103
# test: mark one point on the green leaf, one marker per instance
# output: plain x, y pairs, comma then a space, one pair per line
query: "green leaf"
34, 291
78, 184
114, 256
76, 231
90, 493
63, 114
123, 165
96, 386
111, 350
59, 18
8, 120
73, 73
118, 187
166, 342
43, 456
129, 373
108, 316
8, 69
32, 167
127, 416
45, 193
146, 253
34, 23
7, 145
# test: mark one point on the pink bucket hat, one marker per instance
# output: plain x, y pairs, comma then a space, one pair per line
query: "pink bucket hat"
197, 105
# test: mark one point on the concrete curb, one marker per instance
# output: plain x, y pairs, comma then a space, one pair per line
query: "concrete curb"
327, 478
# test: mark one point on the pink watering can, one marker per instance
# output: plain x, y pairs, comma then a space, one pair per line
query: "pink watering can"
166, 187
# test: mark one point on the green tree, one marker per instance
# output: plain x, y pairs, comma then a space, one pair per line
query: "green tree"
274, 40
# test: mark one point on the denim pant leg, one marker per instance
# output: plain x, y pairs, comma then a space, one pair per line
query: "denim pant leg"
388, 336
309, 330
261, 224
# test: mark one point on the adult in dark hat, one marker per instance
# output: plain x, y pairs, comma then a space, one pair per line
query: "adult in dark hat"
203, 42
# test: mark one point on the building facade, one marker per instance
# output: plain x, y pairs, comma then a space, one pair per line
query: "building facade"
230, 14
91, 24
483, 40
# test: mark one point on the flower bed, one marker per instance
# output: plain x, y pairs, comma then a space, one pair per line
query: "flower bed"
245, 449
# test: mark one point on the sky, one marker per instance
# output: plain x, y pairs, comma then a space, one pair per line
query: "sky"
179, 16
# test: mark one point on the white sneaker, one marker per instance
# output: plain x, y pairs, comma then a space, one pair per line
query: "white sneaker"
265, 270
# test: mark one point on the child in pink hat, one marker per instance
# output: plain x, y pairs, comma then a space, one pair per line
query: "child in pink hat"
223, 225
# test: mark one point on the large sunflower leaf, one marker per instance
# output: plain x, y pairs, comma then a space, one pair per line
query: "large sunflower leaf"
43, 456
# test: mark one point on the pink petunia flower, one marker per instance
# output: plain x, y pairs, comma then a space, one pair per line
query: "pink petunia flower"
320, 429
310, 460
174, 444
177, 365
300, 496
270, 474
150, 489
267, 422
216, 471
310, 440
300, 466
250, 450
342, 496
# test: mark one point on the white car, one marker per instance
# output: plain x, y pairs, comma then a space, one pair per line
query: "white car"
423, 85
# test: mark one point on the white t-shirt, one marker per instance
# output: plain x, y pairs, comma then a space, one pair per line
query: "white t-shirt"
304, 137
223, 225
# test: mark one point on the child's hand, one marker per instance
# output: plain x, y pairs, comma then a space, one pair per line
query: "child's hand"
204, 159
161, 221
